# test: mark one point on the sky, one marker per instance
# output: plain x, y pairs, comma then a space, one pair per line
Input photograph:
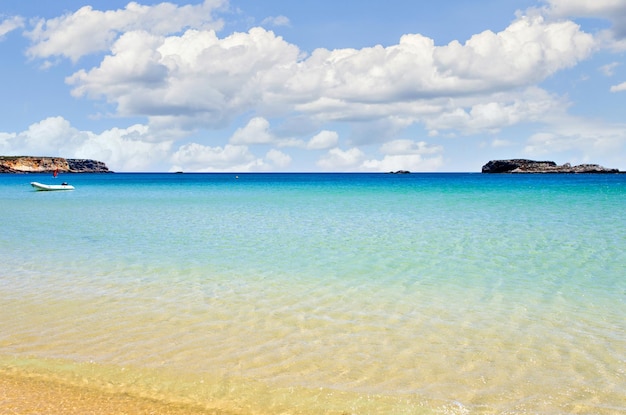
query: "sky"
324, 86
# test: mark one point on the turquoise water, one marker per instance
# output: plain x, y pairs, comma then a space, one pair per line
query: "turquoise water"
322, 293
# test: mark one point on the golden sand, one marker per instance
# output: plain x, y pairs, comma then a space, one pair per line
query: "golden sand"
25, 395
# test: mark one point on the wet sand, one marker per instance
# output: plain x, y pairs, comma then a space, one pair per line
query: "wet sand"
22, 395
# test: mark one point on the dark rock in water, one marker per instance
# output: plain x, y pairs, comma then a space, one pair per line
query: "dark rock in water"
531, 166
30, 164
400, 172
509, 166
87, 166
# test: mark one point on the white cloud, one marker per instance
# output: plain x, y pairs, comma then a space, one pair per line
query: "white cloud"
527, 51
278, 158
323, 140
87, 30
604, 8
619, 88
337, 159
582, 138
6, 143
276, 21
257, 131
609, 69
200, 158
207, 81
231, 157
500, 143
168, 64
497, 111
196, 77
612, 10
406, 154
134, 65
586, 145
410, 162
10, 24
404, 146
127, 149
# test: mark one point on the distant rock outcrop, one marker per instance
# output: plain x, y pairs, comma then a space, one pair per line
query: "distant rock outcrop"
87, 166
30, 164
531, 166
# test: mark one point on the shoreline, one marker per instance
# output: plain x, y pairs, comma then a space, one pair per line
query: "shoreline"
32, 395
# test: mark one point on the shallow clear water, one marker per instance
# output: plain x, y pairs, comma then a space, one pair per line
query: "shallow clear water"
322, 293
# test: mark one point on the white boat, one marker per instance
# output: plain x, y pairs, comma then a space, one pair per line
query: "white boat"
41, 186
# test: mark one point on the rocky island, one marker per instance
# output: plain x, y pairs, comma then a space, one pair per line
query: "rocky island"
31, 164
531, 166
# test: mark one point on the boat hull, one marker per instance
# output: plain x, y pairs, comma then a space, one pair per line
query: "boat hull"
49, 187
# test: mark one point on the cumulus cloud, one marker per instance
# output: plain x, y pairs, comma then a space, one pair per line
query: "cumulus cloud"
7, 145
87, 30
127, 149
337, 159
195, 76
527, 51
231, 157
406, 154
400, 147
587, 140
410, 162
278, 158
612, 10
323, 140
349, 83
168, 64
257, 131
494, 112
207, 81
10, 24
619, 88
604, 8
201, 158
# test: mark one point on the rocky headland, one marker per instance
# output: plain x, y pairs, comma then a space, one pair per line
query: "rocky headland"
531, 166
30, 164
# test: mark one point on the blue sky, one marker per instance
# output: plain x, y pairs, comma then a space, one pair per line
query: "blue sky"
227, 85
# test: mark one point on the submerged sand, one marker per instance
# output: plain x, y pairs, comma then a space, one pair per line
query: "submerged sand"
25, 395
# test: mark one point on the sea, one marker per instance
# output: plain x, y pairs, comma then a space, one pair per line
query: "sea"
271, 293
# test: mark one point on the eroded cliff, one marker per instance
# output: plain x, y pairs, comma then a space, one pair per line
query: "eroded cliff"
31, 164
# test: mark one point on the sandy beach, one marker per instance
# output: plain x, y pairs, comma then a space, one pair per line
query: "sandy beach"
24, 395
